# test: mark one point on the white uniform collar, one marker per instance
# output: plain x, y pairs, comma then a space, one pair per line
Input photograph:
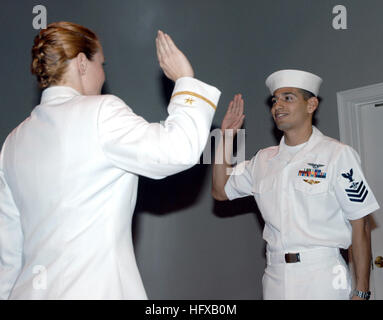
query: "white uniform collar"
283, 154
55, 92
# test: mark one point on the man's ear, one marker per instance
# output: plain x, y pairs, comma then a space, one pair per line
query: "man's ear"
82, 63
312, 104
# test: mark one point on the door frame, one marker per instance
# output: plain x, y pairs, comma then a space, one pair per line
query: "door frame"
349, 102
349, 105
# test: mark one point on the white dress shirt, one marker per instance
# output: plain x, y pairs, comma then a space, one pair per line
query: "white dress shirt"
307, 199
68, 187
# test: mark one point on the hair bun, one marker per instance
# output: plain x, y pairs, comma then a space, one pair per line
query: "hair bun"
38, 66
57, 44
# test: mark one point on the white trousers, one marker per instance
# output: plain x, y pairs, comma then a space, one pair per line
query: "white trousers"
322, 274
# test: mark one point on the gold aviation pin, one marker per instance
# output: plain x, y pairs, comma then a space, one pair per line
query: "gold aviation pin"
311, 181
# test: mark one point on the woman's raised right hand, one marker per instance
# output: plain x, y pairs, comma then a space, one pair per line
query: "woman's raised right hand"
172, 61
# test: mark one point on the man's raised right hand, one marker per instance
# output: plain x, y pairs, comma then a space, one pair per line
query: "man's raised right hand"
234, 116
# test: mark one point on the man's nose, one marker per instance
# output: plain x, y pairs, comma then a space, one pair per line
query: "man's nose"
277, 105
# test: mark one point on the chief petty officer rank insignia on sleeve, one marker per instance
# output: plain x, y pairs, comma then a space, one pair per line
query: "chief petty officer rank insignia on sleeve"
357, 191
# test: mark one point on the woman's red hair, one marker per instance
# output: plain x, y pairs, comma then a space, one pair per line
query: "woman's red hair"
55, 46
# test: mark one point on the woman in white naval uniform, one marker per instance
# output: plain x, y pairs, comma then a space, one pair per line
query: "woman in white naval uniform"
69, 172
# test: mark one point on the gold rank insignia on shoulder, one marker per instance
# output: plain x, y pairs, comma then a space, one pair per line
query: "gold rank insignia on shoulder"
189, 101
311, 181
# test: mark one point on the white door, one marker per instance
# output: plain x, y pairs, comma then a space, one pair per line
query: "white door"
361, 126
371, 138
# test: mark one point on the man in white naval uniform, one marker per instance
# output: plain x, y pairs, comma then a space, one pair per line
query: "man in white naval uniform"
68, 182
311, 193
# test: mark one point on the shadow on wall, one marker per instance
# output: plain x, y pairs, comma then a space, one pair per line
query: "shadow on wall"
227, 209
172, 194
175, 192
180, 191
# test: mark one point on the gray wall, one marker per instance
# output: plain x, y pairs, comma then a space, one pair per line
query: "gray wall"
188, 246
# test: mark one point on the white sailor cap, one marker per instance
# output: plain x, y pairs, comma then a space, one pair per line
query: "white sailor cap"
295, 79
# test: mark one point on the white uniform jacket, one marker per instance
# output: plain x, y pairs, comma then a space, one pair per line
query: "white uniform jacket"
68, 186
306, 199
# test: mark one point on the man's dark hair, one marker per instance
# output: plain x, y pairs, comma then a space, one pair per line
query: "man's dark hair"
306, 94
